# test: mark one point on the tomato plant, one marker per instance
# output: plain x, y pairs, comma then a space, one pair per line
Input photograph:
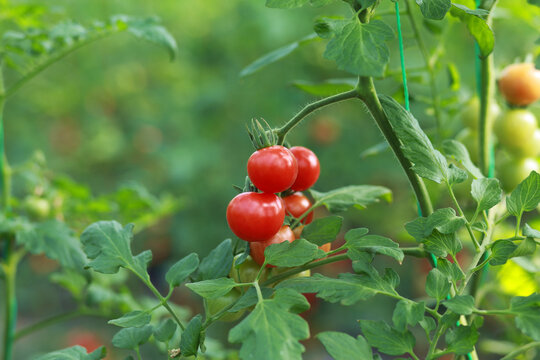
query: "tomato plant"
271, 268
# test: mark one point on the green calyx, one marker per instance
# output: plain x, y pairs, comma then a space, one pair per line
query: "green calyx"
261, 136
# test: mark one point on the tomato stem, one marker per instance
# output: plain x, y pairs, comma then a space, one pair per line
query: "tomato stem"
429, 67
367, 93
308, 109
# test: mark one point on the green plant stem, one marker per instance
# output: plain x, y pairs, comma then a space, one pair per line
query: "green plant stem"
429, 67
307, 266
520, 350
165, 303
308, 109
54, 320
418, 252
433, 343
493, 312
51, 60
138, 351
462, 214
10, 271
367, 93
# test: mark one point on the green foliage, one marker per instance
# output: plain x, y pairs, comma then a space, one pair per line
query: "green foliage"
461, 304
271, 331
322, 231
407, 313
132, 319
343, 347
191, 337
477, 26
527, 311
108, 245
387, 339
212, 289
357, 240
182, 269
346, 197
132, 337
437, 285
361, 48
434, 9
288, 254
75, 353
526, 196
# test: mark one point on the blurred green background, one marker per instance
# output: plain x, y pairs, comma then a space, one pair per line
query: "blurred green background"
118, 111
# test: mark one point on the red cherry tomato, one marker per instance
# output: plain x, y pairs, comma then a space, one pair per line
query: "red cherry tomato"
308, 168
520, 84
255, 216
257, 248
296, 205
272, 169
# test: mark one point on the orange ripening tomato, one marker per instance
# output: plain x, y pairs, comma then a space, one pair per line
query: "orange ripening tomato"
520, 84
257, 248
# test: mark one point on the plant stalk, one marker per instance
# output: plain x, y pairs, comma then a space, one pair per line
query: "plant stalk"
367, 93
308, 109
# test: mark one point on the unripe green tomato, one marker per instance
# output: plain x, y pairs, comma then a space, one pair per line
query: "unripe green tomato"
469, 114
517, 133
469, 138
37, 208
513, 171
247, 271
216, 305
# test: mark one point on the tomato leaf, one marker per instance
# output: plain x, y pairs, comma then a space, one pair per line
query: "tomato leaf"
108, 245
75, 353
407, 312
358, 241
132, 319
55, 239
387, 339
323, 230
131, 338
434, 9
342, 346
273, 328
361, 48
218, 263
477, 26
487, 192
427, 162
285, 4
276, 55
450, 269
459, 152
359, 196
437, 285
165, 331
527, 311
461, 304
526, 196
212, 289
501, 251
182, 269
191, 337
296, 253
347, 289
461, 339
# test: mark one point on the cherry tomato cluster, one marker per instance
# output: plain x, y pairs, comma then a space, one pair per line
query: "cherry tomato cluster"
258, 217
517, 129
